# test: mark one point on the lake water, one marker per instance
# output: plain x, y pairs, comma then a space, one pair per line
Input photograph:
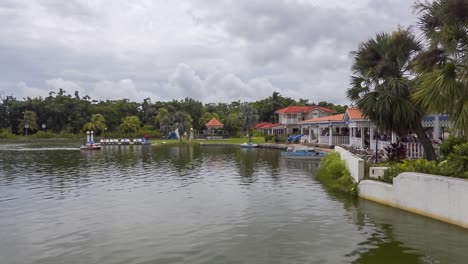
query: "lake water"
192, 204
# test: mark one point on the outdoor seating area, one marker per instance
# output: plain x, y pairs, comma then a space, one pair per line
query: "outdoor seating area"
367, 154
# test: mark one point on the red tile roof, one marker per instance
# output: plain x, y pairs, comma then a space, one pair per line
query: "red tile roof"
338, 117
266, 125
271, 125
261, 124
294, 109
354, 113
214, 123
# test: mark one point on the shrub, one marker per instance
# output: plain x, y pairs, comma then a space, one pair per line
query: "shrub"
447, 147
42, 134
419, 165
256, 133
6, 134
457, 162
335, 176
395, 152
269, 138
282, 138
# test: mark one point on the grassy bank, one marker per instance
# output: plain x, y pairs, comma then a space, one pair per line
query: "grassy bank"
228, 141
335, 176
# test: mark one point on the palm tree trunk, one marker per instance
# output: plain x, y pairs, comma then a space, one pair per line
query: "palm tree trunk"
426, 143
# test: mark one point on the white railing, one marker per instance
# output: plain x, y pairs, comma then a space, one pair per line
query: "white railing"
380, 144
353, 141
340, 140
414, 150
336, 140
323, 139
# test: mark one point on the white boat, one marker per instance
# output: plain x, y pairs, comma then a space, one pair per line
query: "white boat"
90, 146
248, 145
301, 152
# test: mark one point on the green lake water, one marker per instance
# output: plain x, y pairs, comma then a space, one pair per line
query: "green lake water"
192, 204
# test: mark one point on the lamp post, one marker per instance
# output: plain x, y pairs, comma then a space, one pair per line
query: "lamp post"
44, 126
105, 132
26, 127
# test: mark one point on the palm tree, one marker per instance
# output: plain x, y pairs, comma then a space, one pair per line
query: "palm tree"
163, 121
442, 67
29, 120
130, 124
381, 85
181, 120
97, 123
249, 116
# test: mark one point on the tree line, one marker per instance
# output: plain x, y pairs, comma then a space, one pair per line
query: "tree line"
63, 112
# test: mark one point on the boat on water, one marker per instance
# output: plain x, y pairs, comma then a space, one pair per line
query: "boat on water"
125, 141
248, 145
90, 146
300, 152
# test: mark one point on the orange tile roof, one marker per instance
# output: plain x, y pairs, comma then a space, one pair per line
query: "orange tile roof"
294, 109
354, 113
214, 123
261, 124
271, 125
338, 117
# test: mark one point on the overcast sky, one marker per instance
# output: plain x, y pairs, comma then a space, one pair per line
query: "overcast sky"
210, 50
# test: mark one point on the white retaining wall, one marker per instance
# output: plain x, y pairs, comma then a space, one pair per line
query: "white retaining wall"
440, 197
354, 164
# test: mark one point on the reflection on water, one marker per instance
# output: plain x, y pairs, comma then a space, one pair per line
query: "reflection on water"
191, 204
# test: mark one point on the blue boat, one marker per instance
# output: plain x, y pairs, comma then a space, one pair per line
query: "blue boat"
300, 152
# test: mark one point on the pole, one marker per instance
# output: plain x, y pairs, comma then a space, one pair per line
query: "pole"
376, 144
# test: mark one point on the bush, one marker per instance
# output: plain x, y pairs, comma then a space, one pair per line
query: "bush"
42, 134
335, 176
6, 134
395, 152
447, 147
269, 138
282, 138
457, 162
419, 165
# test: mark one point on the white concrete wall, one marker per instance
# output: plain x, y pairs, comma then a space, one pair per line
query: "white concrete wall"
354, 164
377, 172
440, 197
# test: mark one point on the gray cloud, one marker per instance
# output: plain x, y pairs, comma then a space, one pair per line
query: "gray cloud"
211, 50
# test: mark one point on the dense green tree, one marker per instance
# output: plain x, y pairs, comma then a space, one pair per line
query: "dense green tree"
442, 67
232, 123
381, 86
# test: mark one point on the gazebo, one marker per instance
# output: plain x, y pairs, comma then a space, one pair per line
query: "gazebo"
213, 125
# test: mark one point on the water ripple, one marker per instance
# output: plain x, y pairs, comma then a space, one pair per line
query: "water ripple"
189, 204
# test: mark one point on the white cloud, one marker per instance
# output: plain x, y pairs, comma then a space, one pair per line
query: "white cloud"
212, 50
111, 90
69, 86
24, 90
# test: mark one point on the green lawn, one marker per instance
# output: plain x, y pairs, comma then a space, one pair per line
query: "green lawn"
257, 140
